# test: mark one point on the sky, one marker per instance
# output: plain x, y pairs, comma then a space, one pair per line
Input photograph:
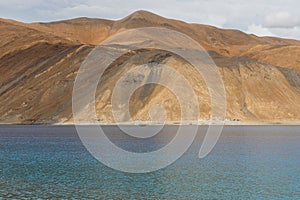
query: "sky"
279, 18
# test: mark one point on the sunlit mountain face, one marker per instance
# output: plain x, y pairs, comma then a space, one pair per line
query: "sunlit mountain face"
39, 63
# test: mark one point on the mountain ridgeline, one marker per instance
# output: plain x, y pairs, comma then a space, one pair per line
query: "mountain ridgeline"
39, 63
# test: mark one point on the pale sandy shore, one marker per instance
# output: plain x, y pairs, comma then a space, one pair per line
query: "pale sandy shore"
149, 123
204, 122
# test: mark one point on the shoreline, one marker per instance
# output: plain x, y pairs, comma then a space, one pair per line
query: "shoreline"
212, 123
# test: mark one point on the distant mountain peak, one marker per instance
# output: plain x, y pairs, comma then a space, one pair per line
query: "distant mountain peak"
139, 19
143, 14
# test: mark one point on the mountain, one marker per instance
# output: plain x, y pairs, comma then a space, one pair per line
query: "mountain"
39, 63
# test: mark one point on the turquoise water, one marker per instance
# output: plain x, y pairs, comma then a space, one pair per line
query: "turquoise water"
260, 162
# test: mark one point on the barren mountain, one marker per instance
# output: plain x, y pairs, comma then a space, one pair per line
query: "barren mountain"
39, 63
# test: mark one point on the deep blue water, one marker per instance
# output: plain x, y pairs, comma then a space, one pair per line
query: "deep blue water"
248, 162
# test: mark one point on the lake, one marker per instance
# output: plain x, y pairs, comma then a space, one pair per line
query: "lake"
248, 162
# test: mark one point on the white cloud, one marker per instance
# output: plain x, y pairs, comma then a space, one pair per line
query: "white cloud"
259, 30
287, 33
281, 20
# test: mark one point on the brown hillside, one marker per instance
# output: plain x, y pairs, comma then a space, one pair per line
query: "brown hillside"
39, 62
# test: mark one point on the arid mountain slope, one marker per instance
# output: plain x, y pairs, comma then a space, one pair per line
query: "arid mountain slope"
39, 63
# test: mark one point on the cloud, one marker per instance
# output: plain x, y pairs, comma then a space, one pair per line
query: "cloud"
259, 30
287, 33
281, 20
